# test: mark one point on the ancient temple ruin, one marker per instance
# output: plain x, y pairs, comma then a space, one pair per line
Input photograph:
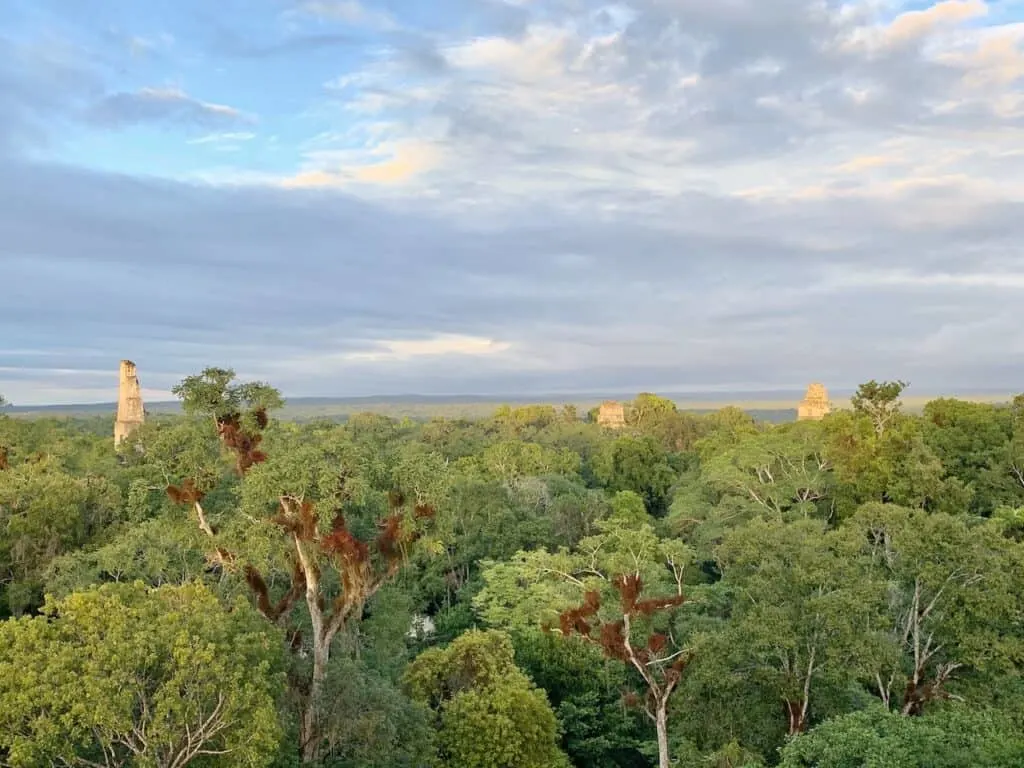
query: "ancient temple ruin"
130, 411
611, 414
815, 405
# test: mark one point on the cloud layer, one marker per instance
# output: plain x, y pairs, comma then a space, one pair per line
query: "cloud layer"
503, 196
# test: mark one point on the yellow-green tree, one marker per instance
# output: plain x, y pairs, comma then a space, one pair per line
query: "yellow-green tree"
124, 675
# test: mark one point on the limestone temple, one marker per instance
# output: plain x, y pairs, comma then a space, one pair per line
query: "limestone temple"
815, 405
130, 411
611, 414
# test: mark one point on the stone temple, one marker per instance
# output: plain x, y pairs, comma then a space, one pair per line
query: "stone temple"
815, 405
130, 411
611, 414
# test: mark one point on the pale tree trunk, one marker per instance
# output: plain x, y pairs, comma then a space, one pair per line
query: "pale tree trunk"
309, 730
661, 724
203, 523
324, 630
658, 695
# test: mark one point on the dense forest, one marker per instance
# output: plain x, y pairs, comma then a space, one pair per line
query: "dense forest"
528, 590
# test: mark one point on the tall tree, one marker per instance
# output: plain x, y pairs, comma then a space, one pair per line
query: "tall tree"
660, 418
585, 689
875, 738
955, 595
639, 465
4, 450
44, 512
648, 408
805, 613
334, 571
630, 636
879, 401
608, 572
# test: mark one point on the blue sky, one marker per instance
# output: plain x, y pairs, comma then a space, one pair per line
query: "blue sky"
493, 196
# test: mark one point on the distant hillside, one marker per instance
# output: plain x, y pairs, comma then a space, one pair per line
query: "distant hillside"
767, 406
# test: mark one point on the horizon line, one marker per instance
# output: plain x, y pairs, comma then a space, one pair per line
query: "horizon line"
697, 396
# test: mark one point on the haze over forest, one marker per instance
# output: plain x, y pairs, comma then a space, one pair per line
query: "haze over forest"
349, 197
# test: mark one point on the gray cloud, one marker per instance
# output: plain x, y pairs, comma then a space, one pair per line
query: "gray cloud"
284, 285
712, 194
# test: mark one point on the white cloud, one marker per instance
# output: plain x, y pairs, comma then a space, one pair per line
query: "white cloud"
680, 98
438, 346
912, 26
926, 281
350, 11
219, 138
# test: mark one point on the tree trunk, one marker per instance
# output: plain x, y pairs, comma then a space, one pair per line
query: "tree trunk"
309, 731
661, 723
796, 711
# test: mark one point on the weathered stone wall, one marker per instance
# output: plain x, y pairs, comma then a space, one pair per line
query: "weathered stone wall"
130, 410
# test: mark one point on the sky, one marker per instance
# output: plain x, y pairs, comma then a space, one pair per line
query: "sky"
356, 197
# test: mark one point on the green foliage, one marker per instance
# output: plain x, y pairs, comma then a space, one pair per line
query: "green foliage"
660, 418
45, 512
511, 460
784, 472
970, 439
955, 593
887, 545
807, 612
519, 421
126, 675
585, 690
873, 738
533, 588
155, 552
628, 509
489, 714
212, 393
639, 465
896, 467
370, 723
879, 401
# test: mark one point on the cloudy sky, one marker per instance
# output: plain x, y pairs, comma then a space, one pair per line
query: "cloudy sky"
349, 197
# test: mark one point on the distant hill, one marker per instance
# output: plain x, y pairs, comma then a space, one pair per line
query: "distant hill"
777, 406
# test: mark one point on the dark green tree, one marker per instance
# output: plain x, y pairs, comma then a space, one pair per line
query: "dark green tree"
875, 738
488, 713
639, 465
